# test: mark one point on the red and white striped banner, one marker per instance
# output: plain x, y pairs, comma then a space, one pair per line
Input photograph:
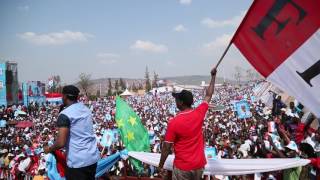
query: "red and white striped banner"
281, 39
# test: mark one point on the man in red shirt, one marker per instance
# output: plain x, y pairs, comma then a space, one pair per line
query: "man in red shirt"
185, 134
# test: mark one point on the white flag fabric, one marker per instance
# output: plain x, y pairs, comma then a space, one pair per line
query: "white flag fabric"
227, 166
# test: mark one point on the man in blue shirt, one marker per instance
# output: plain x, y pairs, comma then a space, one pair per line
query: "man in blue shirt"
75, 133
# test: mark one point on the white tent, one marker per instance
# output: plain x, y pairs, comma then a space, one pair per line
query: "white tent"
166, 89
126, 93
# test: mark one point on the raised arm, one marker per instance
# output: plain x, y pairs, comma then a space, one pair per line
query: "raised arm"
283, 135
210, 89
275, 151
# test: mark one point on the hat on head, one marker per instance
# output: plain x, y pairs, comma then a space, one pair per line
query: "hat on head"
309, 141
293, 146
3, 151
70, 90
185, 96
21, 155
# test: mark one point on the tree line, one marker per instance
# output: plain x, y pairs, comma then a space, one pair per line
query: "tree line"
117, 86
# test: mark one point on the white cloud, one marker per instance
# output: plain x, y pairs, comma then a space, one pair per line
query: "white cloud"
149, 46
107, 61
107, 55
107, 58
219, 42
55, 38
234, 21
24, 8
185, 2
180, 28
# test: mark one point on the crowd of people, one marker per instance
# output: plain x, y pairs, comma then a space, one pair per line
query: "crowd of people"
270, 132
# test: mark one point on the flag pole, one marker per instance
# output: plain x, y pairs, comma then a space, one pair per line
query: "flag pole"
234, 35
102, 151
224, 54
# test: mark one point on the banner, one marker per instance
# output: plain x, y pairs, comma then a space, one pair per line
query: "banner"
197, 103
50, 83
107, 138
33, 91
108, 117
243, 109
211, 153
25, 93
281, 39
53, 98
228, 166
218, 108
172, 109
3, 123
253, 98
151, 137
115, 135
3, 89
36, 88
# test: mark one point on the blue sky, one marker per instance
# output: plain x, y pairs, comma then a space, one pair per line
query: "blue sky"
119, 38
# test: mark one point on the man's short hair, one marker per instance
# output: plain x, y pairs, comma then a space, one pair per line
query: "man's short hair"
71, 91
185, 97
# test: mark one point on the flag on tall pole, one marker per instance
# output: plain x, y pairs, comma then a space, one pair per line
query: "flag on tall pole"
281, 39
133, 134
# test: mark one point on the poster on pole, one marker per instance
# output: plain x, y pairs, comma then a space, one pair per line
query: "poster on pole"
243, 109
211, 153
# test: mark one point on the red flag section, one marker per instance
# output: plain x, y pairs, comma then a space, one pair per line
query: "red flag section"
273, 29
281, 39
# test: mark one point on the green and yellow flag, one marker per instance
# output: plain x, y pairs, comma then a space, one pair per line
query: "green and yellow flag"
133, 134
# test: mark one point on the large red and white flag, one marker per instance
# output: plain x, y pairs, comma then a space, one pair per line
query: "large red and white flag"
281, 39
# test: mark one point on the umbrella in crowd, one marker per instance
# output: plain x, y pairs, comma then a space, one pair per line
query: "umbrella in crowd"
24, 124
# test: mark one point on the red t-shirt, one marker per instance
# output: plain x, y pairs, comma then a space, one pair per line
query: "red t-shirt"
185, 132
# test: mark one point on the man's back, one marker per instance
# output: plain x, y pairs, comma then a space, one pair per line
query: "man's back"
185, 131
81, 146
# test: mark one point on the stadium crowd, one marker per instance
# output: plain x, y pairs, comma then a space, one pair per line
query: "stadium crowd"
270, 132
